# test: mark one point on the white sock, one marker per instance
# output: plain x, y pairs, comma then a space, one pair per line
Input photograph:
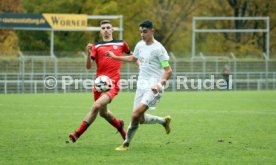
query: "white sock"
150, 119
130, 133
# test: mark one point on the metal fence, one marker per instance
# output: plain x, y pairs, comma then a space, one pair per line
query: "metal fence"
27, 74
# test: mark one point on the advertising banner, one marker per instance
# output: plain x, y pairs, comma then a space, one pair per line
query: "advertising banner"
38, 21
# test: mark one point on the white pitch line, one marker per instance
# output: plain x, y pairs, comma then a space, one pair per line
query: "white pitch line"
180, 111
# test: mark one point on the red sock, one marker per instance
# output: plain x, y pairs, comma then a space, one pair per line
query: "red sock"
84, 125
116, 123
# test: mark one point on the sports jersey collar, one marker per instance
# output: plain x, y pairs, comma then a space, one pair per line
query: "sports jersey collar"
154, 42
112, 41
106, 43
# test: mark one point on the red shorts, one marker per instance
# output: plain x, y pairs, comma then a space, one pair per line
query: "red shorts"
111, 93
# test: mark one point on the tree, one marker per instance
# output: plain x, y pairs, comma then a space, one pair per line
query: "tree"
65, 42
170, 17
251, 8
8, 38
172, 20
240, 43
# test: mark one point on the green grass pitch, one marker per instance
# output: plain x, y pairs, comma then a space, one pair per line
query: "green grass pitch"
207, 128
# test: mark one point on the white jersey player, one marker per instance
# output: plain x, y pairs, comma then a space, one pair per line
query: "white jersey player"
154, 72
151, 58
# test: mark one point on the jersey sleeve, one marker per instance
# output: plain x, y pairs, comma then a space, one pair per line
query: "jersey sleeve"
126, 48
93, 53
136, 51
163, 55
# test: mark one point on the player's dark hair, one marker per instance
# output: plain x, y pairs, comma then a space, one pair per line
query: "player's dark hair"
105, 22
146, 24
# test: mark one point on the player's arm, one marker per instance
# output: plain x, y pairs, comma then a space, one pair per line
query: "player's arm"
167, 74
88, 59
137, 62
129, 58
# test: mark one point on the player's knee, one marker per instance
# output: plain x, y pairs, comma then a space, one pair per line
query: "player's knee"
96, 107
133, 126
141, 120
94, 111
103, 114
135, 116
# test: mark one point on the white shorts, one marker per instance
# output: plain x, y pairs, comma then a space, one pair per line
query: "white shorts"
147, 97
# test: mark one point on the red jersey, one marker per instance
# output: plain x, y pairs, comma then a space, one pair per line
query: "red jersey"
107, 65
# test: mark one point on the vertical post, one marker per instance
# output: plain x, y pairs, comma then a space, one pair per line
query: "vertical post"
44, 67
193, 38
52, 43
235, 74
5, 84
203, 65
81, 82
20, 71
259, 87
274, 80
174, 79
22, 74
121, 27
266, 73
43, 85
174, 75
31, 76
267, 36
217, 69
248, 81
267, 49
64, 89
56, 71
192, 65
35, 87
234, 70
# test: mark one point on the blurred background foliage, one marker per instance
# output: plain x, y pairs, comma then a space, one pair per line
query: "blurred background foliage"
172, 20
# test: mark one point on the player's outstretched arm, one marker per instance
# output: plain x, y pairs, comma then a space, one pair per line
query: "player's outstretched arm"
129, 58
88, 59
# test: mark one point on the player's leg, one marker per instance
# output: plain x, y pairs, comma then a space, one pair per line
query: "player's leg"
132, 128
108, 116
90, 117
137, 114
136, 108
135, 120
151, 119
151, 99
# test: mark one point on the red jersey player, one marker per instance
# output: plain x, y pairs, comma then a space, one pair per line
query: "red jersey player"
105, 66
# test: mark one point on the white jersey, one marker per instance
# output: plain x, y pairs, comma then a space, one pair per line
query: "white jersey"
150, 57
